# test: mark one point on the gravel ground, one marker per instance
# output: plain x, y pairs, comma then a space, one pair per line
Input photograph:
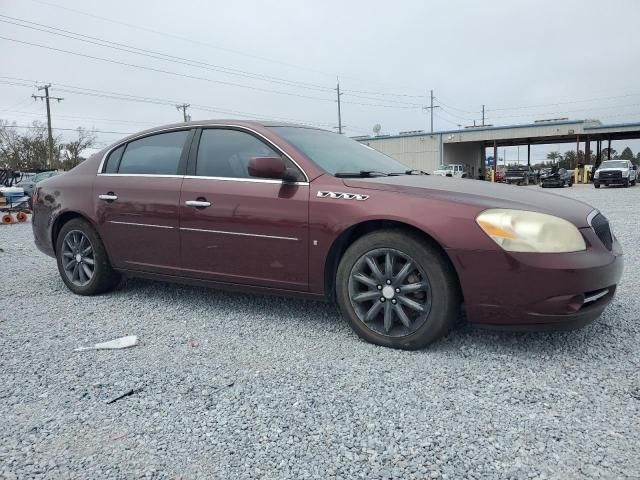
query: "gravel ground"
235, 386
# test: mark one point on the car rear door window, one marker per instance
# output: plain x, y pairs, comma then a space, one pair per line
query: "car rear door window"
154, 155
111, 166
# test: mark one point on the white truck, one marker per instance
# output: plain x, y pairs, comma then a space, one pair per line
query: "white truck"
452, 170
615, 172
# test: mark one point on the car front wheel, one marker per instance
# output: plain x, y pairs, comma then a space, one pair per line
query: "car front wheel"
397, 290
82, 260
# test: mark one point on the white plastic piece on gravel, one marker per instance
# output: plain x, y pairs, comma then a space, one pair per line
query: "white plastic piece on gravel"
122, 342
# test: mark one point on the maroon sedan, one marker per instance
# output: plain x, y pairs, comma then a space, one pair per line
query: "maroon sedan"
299, 211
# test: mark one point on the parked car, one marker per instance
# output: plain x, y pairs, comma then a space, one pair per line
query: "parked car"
29, 183
556, 177
520, 175
453, 170
615, 172
299, 211
500, 174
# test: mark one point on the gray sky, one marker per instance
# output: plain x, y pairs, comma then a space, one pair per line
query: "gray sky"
524, 60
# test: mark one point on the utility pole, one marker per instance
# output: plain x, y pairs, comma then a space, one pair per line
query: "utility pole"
430, 108
46, 98
483, 115
339, 112
184, 107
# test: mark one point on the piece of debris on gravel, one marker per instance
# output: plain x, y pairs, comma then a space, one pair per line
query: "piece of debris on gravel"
281, 388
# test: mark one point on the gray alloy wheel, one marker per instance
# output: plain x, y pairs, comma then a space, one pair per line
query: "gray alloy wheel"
397, 289
390, 292
78, 259
82, 260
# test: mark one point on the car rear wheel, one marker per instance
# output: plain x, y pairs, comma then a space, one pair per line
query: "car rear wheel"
82, 260
397, 290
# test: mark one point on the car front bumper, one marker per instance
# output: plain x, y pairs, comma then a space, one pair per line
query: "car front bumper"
611, 181
552, 182
525, 291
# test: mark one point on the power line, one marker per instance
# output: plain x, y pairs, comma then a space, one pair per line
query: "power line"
209, 45
160, 70
159, 55
178, 37
198, 64
168, 102
32, 127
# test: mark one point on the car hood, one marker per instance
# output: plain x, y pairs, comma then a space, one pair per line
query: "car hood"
614, 169
480, 194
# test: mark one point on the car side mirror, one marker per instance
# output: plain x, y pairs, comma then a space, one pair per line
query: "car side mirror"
635, 167
267, 167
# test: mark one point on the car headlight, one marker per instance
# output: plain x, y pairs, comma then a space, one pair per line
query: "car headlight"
625, 173
597, 174
524, 231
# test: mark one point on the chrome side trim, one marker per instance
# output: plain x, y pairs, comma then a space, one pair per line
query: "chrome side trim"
591, 216
250, 180
238, 233
141, 224
595, 297
346, 196
137, 175
189, 127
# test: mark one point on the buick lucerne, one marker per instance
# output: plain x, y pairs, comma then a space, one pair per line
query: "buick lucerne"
293, 210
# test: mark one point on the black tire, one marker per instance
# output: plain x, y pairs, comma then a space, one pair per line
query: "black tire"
597, 185
633, 183
443, 297
104, 277
626, 183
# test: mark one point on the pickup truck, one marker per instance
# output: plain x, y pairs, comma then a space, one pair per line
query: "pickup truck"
520, 175
615, 172
453, 170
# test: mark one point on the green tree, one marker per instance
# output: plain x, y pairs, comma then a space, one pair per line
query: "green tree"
554, 157
626, 154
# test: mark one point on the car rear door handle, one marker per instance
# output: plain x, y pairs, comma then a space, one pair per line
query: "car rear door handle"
197, 203
109, 197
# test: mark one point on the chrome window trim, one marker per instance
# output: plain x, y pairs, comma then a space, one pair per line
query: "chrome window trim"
141, 224
138, 175
238, 233
189, 127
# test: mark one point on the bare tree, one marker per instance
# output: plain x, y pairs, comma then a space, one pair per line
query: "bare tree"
72, 151
25, 151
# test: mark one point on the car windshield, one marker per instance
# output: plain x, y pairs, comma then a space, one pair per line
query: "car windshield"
337, 154
40, 176
448, 167
614, 164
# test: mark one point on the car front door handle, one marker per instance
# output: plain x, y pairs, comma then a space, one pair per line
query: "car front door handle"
109, 197
197, 203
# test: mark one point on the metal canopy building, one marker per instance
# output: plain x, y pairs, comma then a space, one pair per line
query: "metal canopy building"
427, 151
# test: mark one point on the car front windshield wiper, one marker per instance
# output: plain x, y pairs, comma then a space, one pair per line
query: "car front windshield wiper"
361, 174
409, 172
